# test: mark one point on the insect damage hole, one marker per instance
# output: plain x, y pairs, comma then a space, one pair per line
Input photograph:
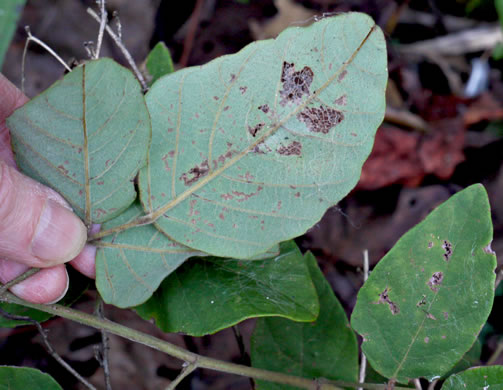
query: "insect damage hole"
435, 281
320, 120
384, 298
295, 83
447, 247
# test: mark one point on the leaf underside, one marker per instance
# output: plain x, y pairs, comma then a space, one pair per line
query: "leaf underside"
206, 295
326, 348
131, 264
86, 137
427, 299
251, 149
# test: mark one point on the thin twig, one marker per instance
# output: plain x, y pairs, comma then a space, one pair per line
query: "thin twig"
25, 275
496, 354
45, 46
432, 385
103, 23
499, 277
104, 348
363, 360
48, 346
417, 384
124, 50
188, 368
191, 33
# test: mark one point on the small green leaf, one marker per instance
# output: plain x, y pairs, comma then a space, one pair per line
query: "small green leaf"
10, 11
428, 298
159, 62
206, 295
131, 264
478, 378
251, 149
24, 378
86, 136
326, 348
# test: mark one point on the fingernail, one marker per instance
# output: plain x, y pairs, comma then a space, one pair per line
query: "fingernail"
60, 235
64, 291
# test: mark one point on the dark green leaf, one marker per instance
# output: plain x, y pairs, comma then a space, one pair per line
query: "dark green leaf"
326, 348
10, 10
24, 378
159, 62
478, 378
86, 136
251, 149
425, 302
206, 295
131, 264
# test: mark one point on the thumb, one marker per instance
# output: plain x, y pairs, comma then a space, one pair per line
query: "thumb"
37, 228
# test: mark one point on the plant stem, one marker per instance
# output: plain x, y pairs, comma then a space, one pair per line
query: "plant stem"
18, 279
188, 368
182, 354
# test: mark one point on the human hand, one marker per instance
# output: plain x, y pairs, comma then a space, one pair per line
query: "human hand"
37, 226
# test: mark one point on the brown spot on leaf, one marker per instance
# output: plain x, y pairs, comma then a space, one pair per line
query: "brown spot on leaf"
63, 169
216, 97
254, 130
295, 148
447, 247
320, 120
233, 77
426, 340
384, 298
264, 108
341, 101
194, 174
166, 162
243, 89
430, 245
446, 315
240, 196
297, 195
221, 216
436, 280
295, 84
342, 75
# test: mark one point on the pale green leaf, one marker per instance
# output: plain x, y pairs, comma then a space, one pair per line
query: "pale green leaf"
24, 378
478, 378
131, 264
10, 11
206, 295
425, 302
251, 149
86, 137
326, 348
159, 62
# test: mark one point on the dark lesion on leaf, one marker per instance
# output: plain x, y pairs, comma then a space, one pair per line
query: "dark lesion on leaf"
255, 129
196, 173
384, 298
447, 247
295, 149
296, 84
435, 281
320, 120
264, 108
